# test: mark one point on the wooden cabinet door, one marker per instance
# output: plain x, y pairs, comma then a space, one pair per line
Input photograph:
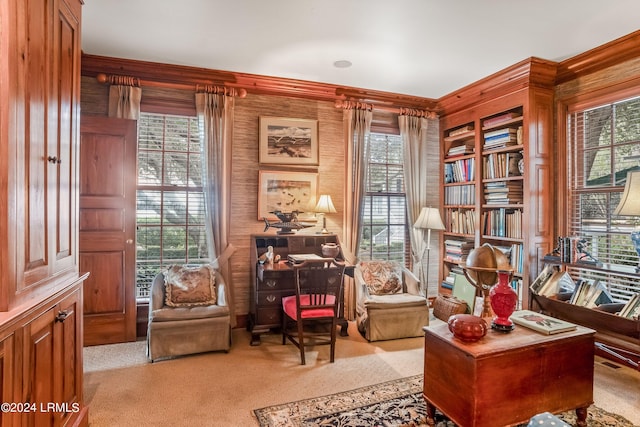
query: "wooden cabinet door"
40, 98
63, 136
33, 169
7, 381
68, 358
108, 179
38, 368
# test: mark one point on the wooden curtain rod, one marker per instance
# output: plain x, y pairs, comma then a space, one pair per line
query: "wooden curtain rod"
135, 81
348, 105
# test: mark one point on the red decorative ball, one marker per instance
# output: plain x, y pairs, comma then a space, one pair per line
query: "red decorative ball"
467, 327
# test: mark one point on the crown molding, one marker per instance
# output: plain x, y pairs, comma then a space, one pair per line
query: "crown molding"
183, 77
615, 52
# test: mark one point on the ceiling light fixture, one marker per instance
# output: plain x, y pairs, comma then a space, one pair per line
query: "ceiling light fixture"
343, 63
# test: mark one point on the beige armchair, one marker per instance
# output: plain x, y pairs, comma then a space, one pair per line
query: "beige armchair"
389, 303
188, 313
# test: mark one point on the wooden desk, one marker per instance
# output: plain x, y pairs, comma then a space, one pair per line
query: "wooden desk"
269, 283
506, 378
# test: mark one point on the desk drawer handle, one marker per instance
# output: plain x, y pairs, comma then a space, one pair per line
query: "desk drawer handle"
271, 298
271, 283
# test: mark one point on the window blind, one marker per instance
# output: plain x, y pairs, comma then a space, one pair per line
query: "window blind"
604, 146
170, 199
384, 221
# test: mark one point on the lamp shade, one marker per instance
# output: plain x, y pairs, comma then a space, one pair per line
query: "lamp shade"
630, 200
430, 219
325, 204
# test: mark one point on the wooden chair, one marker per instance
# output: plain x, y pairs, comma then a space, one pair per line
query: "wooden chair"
314, 309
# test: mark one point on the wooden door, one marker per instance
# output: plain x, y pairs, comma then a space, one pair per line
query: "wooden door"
107, 228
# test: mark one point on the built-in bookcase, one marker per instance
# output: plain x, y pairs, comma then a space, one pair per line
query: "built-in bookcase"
496, 176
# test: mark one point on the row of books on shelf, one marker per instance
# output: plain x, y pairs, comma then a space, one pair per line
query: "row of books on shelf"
502, 222
462, 170
503, 192
502, 165
515, 255
461, 221
585, 293
460, 195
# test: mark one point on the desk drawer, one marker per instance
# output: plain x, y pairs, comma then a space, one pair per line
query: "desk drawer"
270, 298
269, 316
275, 283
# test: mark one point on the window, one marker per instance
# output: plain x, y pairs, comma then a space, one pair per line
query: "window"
170, 200
604, 147
384, 223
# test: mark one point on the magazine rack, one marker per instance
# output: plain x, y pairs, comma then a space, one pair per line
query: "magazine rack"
617, 338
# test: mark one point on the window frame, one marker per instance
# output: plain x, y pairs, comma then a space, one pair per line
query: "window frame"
621, 280
389, 196
143, 281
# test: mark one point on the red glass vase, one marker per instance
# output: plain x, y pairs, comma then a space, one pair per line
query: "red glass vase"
504, 300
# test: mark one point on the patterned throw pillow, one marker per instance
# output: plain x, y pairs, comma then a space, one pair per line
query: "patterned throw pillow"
190, 286
382, 277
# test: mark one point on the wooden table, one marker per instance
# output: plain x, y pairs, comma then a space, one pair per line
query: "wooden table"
506, 378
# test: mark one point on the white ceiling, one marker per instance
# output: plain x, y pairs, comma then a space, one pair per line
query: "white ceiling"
426, 48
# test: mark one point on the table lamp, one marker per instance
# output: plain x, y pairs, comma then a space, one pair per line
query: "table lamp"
630, 206
325, 206
429, 219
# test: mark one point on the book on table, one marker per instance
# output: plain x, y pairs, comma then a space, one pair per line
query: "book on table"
298, 258
541, 323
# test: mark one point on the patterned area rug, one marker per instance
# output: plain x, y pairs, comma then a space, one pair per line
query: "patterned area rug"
394, 403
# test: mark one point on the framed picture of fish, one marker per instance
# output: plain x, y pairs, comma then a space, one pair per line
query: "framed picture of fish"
287, 192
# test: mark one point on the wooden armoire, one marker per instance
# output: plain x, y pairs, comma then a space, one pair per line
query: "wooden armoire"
40, 284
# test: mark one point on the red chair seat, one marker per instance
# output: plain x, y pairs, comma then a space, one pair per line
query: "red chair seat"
289, 307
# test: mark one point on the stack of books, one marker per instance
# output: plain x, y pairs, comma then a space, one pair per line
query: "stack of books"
500, 138
449, 281
503, 192
457, 250
460, 130
460, 150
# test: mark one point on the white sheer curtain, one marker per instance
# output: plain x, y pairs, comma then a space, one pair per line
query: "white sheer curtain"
357, 119
420, 137
215, 107
124, 97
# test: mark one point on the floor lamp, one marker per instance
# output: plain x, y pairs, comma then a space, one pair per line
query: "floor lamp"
429, 219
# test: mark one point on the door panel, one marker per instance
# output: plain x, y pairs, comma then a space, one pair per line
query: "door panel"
107, 228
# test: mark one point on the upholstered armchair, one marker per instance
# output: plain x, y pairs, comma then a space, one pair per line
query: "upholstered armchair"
188, 313
389, 303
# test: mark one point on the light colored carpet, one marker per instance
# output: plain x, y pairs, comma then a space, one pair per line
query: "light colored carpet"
223, 389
